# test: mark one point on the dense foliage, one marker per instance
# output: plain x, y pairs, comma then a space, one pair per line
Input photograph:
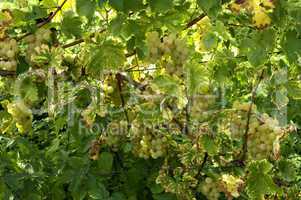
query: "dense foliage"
150, 99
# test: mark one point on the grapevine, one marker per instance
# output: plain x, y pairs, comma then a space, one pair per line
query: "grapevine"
150, 99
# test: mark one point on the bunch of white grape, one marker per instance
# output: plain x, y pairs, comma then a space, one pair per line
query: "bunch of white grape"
172, 48
210, 189
37, 46
263, 131
231, 185
8, 51
21, 114
176, 47
148, 143
115, 134
150, 146
263, 135
154, 45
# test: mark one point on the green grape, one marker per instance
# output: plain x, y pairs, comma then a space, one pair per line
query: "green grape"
21, 114
210, 189
43, 35
262, 133
260, 142
7, 54
172, 49
148, 144
38, 50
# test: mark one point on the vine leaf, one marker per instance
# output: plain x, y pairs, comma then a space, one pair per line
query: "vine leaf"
294, 89
258, 46
259, 182
291, 44
71, 25
211, 7
105, 162
108, 56
85, 8
209, 145
117, 4
167, 85
161, 6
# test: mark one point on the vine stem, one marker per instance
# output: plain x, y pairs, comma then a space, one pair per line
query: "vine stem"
119, 84
187, 113
205, 159
246, 137
81, 40
195, 20
7, 73
49, 18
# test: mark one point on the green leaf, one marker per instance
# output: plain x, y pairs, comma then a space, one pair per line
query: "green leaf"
280, 99
209, 144
210, 40
133, 5
210, 7
294, 89
71, 25
166, 84
108, 56
22, 66
105, 162
86, 8
287, 170
49, 3
258, 46
83, 98
28, 91
97, 191
259, 181
291, 44
117, 196
164, 196
294, 9
161, 6
117, 4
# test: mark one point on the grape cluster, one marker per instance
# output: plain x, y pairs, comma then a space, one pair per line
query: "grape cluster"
148, 143
5, 20
262, 137
263, 130
21, 114
38, 48
210, 189
172, 48
151, 147
115, 134
231, 185
154, 45
8, 51
175, 47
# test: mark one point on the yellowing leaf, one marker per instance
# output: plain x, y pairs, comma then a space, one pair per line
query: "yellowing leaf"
70, 5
